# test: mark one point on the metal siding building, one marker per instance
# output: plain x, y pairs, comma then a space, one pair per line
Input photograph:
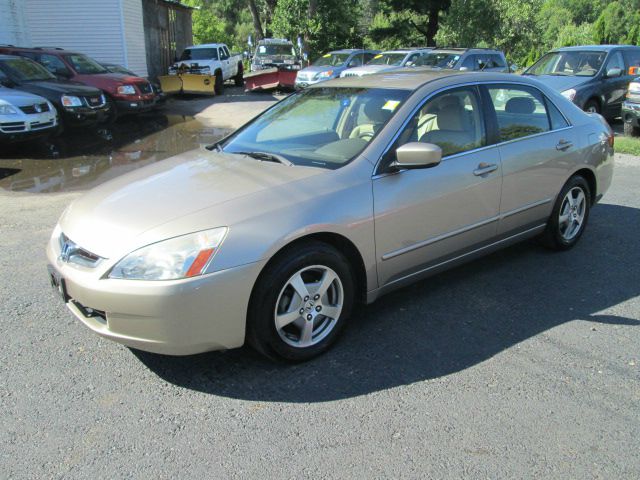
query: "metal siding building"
111, 31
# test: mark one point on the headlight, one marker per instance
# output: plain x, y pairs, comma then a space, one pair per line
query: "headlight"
126, 90
634, 87
7, 109
569, 94
70, 101
326, 74
179, 257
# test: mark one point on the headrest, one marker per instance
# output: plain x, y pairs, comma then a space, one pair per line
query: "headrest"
451, 117
375, 112
522, 105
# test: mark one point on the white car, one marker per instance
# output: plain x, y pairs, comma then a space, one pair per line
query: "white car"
25, 116
388, 61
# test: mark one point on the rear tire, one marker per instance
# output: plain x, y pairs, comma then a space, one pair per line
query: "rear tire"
239, 78
218, 87
569, 216
301, 303
630, 130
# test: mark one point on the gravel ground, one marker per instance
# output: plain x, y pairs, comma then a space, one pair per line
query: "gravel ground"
523, 364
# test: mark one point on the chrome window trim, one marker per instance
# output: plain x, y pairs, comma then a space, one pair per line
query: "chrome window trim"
378, 174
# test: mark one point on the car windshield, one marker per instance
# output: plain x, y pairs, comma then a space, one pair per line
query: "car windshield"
440, 60
394, 59
332, 59
573, 63
323, 127
25, 70
85, 65
275, 49
199, 54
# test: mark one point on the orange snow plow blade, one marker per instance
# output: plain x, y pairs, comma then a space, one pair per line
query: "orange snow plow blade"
270, 79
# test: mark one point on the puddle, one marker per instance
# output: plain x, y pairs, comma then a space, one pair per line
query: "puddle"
83, 159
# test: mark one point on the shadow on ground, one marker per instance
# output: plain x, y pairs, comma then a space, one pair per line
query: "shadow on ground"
442, 325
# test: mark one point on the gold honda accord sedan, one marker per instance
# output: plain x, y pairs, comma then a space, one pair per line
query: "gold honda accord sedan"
333, 196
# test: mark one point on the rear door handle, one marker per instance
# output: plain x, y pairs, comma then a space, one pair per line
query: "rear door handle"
564, 145
485, 168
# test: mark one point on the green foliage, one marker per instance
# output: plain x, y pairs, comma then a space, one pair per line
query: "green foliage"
395, 30
333, 24
628, 145
618, 23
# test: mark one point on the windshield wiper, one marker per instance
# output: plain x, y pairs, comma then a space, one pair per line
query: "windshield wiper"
267, 157
214, 146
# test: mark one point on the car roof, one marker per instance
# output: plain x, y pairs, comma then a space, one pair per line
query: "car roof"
465, 50
351, 50
205, 45
48, 50
596, 48
414, 78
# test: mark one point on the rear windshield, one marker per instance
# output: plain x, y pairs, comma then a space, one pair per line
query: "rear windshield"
199, 54
25, 70
85, 65
574, 63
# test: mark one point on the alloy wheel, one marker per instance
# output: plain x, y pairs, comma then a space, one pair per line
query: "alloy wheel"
309, 306
572, 213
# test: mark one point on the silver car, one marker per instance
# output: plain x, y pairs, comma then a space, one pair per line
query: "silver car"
389, 61
24, 116
329, 199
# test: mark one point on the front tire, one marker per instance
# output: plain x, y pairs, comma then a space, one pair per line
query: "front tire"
301, 303
592, 106
630, 130
239, 78
218, 86
569, 216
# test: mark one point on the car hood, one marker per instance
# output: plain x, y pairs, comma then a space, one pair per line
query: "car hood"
44, 87
561, 83
18, 98
152, 203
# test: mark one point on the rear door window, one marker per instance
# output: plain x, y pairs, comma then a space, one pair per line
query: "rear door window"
632, 56
520, 111
615, 61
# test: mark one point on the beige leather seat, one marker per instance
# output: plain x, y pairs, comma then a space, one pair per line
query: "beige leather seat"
377, 117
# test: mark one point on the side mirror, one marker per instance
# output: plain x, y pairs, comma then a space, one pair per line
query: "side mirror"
418, 155
614, 72
409, 64
464, 69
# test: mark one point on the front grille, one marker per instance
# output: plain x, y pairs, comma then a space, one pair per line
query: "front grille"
41, 125
144, 87
12, 127
94, 101
38, 108
70, 252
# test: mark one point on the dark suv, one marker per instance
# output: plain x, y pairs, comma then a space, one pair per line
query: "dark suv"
594, 77
126, 93
77, 105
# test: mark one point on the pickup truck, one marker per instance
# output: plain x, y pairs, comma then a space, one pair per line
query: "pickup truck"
211, 59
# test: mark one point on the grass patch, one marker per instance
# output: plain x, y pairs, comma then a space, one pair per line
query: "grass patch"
630, 145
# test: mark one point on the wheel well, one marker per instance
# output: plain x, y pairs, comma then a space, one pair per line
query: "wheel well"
340, 243
595, 99
591, 180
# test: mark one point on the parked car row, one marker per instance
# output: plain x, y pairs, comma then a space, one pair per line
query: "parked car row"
75, 90
595, 78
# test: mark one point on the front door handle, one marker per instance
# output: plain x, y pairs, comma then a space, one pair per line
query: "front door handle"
485, 168
564, 145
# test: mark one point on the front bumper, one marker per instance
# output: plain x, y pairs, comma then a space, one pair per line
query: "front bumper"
178, 317
16, 128
136, 104
84, 116
631, 113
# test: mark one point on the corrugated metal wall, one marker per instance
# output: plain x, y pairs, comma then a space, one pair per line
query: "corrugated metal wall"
134, 36
93, 27
13, 30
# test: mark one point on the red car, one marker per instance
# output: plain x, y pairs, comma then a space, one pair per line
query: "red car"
126, 93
